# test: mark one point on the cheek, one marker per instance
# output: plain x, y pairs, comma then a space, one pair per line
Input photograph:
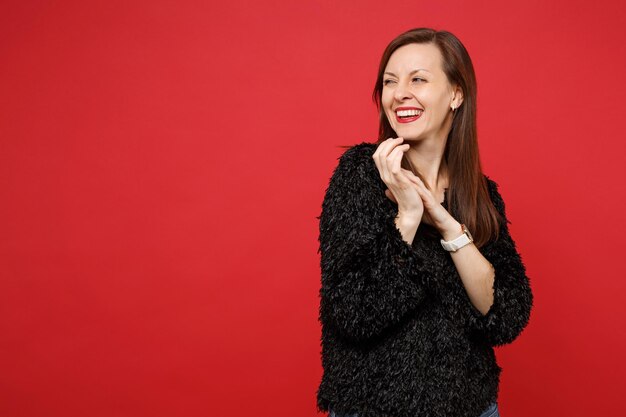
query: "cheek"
386, 99
438, 99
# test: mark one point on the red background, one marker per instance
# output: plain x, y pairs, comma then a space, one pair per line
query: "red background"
162, 164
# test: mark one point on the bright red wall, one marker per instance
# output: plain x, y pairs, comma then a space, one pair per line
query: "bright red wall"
162, 164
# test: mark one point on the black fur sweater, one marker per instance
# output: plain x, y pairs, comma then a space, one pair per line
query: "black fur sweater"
400, 336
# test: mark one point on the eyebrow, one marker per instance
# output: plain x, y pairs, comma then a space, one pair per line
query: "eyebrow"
410, 73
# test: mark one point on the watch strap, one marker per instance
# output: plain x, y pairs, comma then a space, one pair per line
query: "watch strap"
456, 244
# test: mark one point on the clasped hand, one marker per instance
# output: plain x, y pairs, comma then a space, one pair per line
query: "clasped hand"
405, 188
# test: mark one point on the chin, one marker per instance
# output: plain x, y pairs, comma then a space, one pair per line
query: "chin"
409, 136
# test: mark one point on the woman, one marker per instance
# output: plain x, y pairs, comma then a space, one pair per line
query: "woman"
420, 276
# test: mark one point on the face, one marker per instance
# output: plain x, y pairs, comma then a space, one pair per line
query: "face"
414, 79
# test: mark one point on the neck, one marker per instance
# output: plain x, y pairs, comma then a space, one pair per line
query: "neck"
429, 161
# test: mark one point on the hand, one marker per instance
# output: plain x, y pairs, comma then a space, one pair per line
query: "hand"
434, 213
388, 157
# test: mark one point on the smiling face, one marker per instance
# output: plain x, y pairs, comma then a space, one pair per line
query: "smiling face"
414, 80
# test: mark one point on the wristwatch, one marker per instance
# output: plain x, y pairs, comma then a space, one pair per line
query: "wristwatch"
456, 244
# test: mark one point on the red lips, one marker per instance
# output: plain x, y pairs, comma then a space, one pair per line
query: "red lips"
408, 119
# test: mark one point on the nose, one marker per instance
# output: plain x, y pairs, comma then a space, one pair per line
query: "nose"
401, 92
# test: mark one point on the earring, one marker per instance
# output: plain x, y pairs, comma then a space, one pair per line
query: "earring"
453, 108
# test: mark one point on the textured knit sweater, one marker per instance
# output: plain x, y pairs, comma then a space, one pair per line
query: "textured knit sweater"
400, 336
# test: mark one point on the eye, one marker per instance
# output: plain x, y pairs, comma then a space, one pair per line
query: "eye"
418, 78
385, 82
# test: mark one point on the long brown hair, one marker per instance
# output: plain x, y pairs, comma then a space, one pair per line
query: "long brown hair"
467, 193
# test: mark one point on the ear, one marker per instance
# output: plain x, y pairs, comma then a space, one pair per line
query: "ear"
457, 97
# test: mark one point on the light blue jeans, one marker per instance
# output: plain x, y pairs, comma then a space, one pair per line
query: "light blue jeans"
491, 411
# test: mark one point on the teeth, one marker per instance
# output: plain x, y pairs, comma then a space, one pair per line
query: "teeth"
405, 113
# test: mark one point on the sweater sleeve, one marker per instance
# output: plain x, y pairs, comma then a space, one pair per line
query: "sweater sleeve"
513, 298
371, 277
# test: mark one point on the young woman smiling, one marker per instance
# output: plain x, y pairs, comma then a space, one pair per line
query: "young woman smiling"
420, 276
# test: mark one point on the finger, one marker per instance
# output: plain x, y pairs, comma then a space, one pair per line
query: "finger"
376, 159
390, 146
382, 156
396, 161
378, 156
378, 148
427, 195
390, 195
416, 180
424, 192
381, 147
392, 171
412, 177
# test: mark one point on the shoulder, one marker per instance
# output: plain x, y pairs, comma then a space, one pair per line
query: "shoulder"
358, 154
356, 164
356, 182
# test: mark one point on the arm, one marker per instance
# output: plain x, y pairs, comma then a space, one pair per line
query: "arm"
371, 277
407, 224
474, 270
513, 299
